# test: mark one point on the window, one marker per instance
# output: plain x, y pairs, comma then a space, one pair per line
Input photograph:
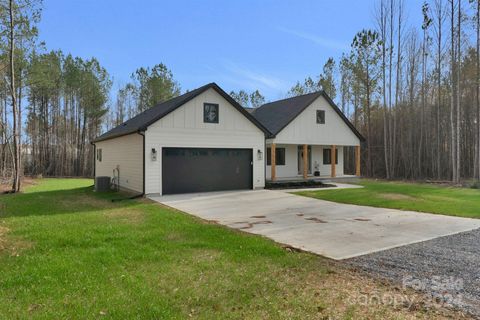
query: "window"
321, 116
327, 156
99, 155
279, 156
210, 113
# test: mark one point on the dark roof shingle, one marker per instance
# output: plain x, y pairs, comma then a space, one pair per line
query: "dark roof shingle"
141, 121
276, 115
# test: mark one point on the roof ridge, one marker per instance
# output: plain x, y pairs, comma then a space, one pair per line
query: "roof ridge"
289, 98
144, 119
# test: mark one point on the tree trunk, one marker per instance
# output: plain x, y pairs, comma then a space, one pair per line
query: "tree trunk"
16, 133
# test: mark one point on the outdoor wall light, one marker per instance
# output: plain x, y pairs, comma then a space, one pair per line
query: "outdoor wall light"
154, 154
259, 154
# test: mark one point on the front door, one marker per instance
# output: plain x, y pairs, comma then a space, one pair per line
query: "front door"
300, 159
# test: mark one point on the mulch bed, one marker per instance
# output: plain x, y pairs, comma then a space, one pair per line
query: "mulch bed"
297, 184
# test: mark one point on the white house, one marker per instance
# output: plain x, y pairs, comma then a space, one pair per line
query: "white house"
310, 125
204, 141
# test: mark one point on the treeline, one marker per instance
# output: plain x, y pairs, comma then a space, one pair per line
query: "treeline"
413, 91
148, 87
64, 99
52, 105
66, 102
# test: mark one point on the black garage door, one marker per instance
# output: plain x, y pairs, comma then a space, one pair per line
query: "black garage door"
187, 170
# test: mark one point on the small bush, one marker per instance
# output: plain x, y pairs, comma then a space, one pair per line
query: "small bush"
475, 185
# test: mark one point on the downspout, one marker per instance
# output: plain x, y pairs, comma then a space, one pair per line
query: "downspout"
142, 133
94, 159
264, 163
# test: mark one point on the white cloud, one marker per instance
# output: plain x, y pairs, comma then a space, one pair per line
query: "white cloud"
253, 79
324, 42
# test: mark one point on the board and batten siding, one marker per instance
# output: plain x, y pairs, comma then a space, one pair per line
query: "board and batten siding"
304, 129
184, 128
127, 153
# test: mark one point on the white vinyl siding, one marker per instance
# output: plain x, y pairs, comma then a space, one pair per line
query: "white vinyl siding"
290, 169
326, 169
127, 153
304, 129
185, 127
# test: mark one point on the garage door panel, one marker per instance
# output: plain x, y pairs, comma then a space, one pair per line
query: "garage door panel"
187, 170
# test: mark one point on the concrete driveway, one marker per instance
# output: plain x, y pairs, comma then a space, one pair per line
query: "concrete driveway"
338, 231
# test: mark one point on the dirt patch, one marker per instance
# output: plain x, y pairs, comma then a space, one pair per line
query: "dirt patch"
343, 287
343, 293
6, 184
3, 236
317, 220
362, 219
10, 245
258, 217
396, 196
205, 255
127, 215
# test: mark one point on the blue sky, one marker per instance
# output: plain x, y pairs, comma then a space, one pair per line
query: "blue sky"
264, 44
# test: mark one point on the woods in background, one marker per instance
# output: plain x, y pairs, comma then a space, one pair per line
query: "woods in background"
412, 91
53, 104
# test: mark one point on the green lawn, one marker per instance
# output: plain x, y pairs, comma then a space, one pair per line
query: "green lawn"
407, 196
67, 253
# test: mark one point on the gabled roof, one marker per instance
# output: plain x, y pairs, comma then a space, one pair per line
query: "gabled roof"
276, 115
143, 120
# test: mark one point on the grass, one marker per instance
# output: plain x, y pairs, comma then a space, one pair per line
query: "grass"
66, 252
452, 201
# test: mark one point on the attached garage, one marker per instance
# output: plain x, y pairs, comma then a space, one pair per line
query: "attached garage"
200, 141
187, 170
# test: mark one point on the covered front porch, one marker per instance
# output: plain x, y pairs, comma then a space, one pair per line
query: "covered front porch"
293, 162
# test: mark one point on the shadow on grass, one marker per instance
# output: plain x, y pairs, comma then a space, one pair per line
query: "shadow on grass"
55, 202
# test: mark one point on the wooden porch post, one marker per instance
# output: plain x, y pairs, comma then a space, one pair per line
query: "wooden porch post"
333, 155
273, 161
357, 161
305, 161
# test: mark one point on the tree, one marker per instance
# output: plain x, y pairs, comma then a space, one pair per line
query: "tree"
365, 56
18, 19
382, 31
241, 97
476, 164
154, 86
308, 86
425, 43
438, 28
248, 100
327, 78
256, 99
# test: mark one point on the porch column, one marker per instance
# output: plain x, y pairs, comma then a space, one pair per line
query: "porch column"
305, 161
357, 161
273, 161
333, 155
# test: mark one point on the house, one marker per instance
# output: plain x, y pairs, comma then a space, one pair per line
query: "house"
309, 124
205, 141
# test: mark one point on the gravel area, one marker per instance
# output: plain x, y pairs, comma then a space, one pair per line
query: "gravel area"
446, 269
